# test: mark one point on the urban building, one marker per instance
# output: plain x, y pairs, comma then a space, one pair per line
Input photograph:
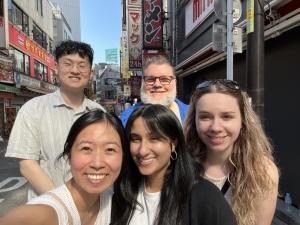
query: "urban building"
27, 65
108, 84
71, 11
61, 28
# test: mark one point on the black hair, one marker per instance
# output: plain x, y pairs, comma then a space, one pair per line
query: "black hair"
72, 47
180, 174
96, 116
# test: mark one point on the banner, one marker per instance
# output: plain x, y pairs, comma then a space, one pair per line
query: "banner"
153, 24
135, 39
3, 25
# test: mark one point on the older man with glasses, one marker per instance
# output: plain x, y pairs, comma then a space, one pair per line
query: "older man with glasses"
42, 124
158, 87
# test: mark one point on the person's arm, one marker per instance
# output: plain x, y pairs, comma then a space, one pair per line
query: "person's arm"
30, 215
266, 207
36, 176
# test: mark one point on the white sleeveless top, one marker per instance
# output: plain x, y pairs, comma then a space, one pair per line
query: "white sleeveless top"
60, 199
150, 203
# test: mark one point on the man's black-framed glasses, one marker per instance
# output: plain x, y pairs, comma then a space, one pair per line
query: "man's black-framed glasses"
164, 80
227, 83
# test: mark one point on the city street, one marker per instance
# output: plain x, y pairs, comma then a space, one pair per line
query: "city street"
13, 187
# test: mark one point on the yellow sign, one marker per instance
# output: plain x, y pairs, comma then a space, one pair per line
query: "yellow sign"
250, 16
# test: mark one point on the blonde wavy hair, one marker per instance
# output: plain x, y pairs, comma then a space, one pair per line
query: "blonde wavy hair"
249, 158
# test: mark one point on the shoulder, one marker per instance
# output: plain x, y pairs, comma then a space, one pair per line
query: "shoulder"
95, 105
181, 104
272, 170
37, 103
125, 114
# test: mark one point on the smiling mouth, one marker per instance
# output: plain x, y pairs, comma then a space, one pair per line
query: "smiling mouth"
96, 176
144, 162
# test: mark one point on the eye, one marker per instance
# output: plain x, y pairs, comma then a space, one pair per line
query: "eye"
86, 149
204, 117
135, 138
110, 150
228, 116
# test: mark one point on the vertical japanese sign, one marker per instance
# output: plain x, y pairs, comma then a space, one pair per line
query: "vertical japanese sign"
3, 25
153, 24
250, 16
135, 39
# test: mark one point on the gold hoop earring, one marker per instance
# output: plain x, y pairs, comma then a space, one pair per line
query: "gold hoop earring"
173, 155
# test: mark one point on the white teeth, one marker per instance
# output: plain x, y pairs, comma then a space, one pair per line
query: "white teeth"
96, 176
145, 161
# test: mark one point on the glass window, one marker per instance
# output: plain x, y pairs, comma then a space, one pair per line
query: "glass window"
25, 26
40, 71
21, 61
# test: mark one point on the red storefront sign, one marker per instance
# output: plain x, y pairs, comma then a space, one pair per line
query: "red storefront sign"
153, 24
28, 46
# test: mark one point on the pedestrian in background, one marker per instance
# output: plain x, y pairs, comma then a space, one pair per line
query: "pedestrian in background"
163, 176
225, 135
95, 148
42, 124
158, 87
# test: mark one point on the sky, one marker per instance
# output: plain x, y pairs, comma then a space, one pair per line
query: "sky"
101, 25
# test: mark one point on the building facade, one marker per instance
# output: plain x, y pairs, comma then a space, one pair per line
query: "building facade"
71, 11
26, 60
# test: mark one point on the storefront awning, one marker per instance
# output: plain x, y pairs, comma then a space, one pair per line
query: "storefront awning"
7, 88
41, 91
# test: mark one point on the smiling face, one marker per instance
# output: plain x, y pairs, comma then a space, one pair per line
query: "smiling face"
96, 158
74, 72
218, 122
150, 152
158, 93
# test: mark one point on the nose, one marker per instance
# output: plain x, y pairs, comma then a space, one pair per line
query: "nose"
216, 125
143, 149
157, 82
75, 69
97, 160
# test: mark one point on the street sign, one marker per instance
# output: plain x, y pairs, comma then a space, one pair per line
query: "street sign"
237, 39
219, 37
220, 8
220, 40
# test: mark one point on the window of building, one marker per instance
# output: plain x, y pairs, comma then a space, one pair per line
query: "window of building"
51, 46
53, 77
40, 71
39, 36
21, 61
39, 6
18, 18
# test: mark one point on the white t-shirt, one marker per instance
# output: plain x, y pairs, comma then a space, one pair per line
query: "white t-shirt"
147, 214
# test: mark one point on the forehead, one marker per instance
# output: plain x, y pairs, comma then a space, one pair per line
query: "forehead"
100, 131
73, 57
158, 70
217, 102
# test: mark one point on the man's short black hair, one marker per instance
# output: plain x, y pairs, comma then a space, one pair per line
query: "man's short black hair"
72, 47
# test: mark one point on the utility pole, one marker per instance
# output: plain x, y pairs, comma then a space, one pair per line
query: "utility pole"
255, 57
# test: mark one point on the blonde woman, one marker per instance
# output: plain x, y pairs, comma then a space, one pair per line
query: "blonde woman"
226, 137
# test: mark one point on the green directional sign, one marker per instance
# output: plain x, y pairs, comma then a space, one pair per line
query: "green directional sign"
111, 55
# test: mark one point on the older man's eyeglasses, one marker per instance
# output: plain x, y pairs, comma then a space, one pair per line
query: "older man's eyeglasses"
164, 80
69, 65
227, 83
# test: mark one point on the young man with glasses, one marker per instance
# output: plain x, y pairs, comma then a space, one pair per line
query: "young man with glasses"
42, 124
158, 87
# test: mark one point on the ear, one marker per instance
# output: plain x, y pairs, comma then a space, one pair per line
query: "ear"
92, 74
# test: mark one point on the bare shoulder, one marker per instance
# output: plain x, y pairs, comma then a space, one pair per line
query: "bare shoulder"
30, 215
272, 170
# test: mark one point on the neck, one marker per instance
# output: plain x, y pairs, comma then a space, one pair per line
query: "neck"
85, 202
154, 183
72, 98
217, 164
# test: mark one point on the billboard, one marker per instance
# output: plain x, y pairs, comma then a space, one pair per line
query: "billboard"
111, 55
153, 24
135, 40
